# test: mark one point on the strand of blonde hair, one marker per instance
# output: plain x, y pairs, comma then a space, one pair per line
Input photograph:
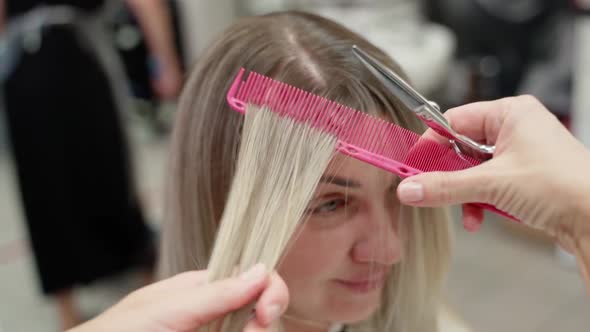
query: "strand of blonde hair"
280, 163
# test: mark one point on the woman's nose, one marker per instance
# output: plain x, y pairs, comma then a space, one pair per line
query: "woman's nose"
379, 240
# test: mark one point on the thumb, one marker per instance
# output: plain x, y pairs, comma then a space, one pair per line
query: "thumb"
192, 307
435, 189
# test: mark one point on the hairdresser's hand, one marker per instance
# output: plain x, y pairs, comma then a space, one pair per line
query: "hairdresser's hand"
186, 302
539, 172
167, 79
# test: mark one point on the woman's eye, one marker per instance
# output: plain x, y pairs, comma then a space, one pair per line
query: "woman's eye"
330, 206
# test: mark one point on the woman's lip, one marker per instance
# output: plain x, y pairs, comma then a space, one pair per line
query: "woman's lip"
362, 286
366, 277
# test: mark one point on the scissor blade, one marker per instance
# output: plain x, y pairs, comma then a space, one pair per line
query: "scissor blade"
395, 84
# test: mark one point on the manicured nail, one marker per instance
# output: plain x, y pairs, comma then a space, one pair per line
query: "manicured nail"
411, 192
471, 225
273, 312
254, 273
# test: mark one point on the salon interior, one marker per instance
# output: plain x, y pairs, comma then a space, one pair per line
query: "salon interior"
504, 277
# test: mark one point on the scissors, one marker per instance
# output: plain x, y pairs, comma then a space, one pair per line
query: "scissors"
428, 111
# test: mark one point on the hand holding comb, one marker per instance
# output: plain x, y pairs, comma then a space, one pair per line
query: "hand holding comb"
361, 136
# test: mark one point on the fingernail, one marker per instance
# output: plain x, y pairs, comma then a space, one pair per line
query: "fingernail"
471, 225
254, 273
411, 192
273, 312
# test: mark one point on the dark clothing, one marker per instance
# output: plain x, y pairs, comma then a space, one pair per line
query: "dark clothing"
15, 7
83, 217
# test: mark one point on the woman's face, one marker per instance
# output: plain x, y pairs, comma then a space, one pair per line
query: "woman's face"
340, 257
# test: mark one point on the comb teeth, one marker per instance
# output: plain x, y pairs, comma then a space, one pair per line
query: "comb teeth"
351, 127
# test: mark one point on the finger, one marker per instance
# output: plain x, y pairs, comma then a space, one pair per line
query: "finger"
432, 135
183, 279
193, 307
273, 302
473, 217
436, 189
179, 281
479, 121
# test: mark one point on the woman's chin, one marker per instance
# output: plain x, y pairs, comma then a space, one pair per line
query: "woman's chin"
344, 313
353, 311
346, 304
357, 316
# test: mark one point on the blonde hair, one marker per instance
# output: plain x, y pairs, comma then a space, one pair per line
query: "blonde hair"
314, 54
279, 166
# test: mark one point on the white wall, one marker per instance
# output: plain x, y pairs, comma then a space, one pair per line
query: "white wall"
202, 20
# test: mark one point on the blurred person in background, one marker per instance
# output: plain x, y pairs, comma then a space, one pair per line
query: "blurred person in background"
510, 47
82, 212
140, 67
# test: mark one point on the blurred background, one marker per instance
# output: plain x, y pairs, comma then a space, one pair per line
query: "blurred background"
503, 278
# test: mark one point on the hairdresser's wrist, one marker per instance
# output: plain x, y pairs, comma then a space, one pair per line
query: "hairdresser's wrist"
582, 250
580, 225
583, 191
573, 232
583, 259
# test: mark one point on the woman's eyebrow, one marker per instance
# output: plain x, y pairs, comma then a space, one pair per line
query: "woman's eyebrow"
339, 181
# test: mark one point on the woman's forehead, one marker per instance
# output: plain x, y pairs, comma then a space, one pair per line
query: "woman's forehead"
347, 167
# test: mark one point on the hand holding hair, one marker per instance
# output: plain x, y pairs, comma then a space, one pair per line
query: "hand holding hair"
186, 302
538, 172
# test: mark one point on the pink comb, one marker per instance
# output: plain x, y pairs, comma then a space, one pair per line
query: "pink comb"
361, 136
